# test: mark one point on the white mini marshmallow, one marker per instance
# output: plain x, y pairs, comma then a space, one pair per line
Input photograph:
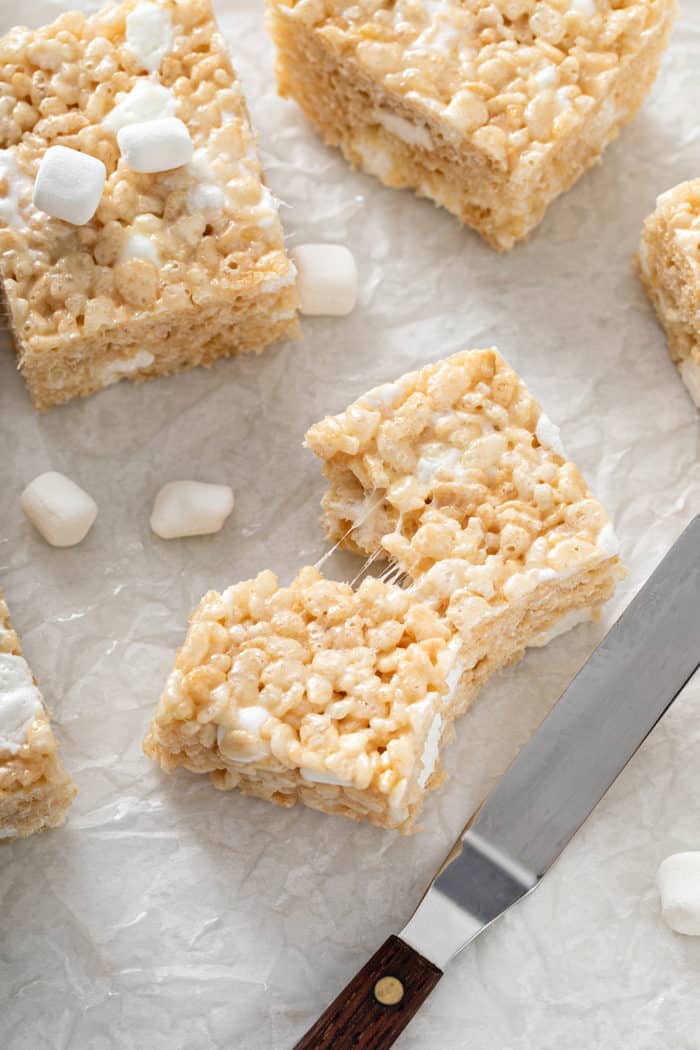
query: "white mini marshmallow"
146, 101
18, 187
327, 280
312, 777
69, 184
139, 246
678, 880
190, 508
59, 509
206, 197
155, 145
412, 134
549, 435
149, 34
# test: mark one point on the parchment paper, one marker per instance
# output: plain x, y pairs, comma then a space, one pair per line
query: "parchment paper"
167, 916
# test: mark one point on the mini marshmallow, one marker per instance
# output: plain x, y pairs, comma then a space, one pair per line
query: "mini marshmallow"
149, 34
59, 509
155, 145
678, 881
190, 508
145, 101
139, 246
327, 279
69, 184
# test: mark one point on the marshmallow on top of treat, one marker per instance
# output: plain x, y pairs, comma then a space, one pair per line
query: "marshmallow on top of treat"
155, 145
679, 888
327, 279
190, 508
20, 702
149, 34
145, 101
59, 509
69, 184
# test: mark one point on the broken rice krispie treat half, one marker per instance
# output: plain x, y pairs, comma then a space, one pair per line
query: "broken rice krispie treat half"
489, 107
35, 790
177, 267
669, 266
314, 693
460, 479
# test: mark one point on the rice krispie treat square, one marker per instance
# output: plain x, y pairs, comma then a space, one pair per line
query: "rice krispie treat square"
35, 790
489, 107
313, 693
669, 267
176, 268
456, 475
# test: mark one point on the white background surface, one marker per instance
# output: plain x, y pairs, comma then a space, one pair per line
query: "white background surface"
167, 915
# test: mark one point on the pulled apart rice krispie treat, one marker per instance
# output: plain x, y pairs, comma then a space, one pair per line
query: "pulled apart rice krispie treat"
342, 699
489, 107
176, 268
669, 266
459, 478
35, 790
313, 693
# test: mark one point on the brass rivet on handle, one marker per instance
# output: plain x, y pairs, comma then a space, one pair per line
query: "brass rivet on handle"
388, 991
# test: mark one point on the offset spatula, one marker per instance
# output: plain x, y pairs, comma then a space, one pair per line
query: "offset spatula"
613, 703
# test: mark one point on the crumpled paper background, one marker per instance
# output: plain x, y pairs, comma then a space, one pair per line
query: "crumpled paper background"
169, 916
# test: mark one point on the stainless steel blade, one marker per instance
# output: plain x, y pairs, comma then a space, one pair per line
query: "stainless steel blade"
561, 774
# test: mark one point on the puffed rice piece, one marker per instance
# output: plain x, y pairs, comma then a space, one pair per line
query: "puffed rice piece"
35, 790
669, 267
176, 268
491, 108
313, 693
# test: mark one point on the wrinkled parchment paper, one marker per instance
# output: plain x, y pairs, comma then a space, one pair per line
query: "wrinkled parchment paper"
167, 916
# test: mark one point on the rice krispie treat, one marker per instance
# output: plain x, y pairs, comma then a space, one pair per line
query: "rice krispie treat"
176, 268
35, 790
669, 266
491, 108
459, 478
314, 693
340, 698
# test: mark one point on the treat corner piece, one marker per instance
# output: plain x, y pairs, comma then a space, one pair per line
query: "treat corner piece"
342, 699
668, 264
491, 109
35, 790
174, 268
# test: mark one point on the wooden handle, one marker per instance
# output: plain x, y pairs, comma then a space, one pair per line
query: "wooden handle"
373, 1010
